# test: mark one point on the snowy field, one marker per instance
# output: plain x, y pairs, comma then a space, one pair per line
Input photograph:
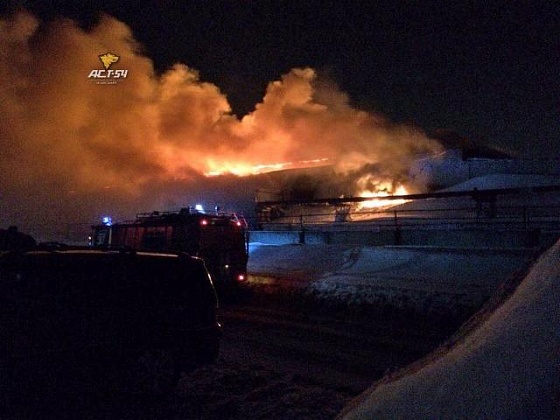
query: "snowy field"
422, 279
505, 366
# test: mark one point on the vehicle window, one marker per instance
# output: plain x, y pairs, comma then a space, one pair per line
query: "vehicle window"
155, 238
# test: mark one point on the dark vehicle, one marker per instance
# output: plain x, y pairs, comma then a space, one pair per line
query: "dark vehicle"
71, 317
219, 239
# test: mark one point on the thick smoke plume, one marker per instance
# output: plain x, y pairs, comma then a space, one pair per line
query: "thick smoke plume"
71, 147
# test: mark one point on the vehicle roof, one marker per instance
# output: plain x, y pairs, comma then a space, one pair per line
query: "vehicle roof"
157, 217
99, 253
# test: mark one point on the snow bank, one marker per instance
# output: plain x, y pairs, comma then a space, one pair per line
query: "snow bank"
424, 280
509, 367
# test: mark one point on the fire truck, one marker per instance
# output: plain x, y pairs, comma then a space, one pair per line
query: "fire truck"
218, 238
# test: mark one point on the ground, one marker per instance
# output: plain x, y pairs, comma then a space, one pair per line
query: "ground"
504, 367
284, 356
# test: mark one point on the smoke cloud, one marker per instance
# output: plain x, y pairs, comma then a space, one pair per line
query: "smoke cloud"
71, 147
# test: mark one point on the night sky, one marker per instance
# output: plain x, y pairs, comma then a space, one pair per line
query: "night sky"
483, 69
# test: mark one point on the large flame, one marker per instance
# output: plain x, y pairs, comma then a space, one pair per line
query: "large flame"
161, 133
378, 190
244, 169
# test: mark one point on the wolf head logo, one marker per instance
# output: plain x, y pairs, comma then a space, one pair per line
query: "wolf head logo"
108, 58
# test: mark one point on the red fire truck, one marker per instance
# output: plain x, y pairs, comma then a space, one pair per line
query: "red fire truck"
219, 239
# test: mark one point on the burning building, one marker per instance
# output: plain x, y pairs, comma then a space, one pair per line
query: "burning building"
76, 149
81, 149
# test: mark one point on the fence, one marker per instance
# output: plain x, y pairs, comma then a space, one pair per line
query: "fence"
546, 217
487, 225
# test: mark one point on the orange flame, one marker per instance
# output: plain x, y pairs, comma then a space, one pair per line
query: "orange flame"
382, 188
244, 169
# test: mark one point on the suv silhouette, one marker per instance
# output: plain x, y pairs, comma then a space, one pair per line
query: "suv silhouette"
112, 320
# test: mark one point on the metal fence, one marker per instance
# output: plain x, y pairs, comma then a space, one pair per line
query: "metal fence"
544, 217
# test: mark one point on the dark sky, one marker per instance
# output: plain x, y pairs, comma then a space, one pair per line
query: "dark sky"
483, 69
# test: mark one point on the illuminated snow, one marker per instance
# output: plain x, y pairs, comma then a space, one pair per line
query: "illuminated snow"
507, 368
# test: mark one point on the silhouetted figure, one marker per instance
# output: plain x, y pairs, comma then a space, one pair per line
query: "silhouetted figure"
12, 240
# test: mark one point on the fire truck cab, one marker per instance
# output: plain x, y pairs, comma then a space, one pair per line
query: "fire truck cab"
218, 238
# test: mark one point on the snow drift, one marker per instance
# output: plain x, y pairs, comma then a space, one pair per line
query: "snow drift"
509, 367
422, 280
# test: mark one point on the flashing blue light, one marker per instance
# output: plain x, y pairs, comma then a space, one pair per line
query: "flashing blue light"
107, 221
199, 208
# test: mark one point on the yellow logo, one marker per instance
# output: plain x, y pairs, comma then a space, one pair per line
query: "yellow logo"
108, 58
107, 76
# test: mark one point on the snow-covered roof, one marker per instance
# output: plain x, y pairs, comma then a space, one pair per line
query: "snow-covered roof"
496, 181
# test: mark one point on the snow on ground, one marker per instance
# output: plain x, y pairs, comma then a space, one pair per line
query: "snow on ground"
506, 367
509, 367
423, 279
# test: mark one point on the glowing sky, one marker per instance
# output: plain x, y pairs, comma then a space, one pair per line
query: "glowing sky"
480, 68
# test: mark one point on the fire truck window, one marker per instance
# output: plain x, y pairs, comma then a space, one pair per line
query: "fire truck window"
129, 238
101, 238
169, 234
155, 238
